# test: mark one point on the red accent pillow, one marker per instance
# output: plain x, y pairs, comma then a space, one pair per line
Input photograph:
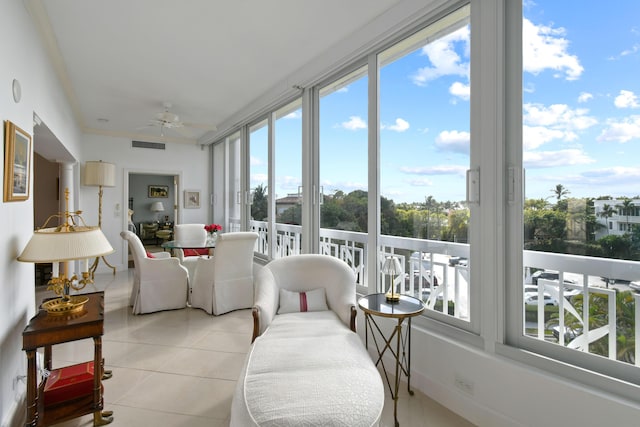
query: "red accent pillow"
150, 255
69, 383
195, 252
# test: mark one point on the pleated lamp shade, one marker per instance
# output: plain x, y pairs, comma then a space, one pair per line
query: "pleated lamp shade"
98, 173
55, 245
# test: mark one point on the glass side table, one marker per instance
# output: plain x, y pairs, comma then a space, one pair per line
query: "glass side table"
376, 305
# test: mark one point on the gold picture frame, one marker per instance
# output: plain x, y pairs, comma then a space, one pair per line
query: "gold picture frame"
17, 163
158, 191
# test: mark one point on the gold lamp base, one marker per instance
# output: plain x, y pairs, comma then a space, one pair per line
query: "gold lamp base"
392, 296
64, 307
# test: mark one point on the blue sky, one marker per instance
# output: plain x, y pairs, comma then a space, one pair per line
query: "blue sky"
581, 112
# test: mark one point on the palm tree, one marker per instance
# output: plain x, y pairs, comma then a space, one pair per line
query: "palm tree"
607, 212
625, 209
560, 191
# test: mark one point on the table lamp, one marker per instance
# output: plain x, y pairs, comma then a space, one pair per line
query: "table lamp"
392, 267
67, 242
157, 207
99, 174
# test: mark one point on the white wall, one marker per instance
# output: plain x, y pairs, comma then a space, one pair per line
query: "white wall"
505, 392
23, 58
189, 162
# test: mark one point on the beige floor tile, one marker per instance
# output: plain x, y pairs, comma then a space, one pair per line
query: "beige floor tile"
224, 341
128, 416
205, 363
205, 397
132, 355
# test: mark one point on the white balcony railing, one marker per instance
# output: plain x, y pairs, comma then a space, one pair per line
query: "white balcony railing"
430, 273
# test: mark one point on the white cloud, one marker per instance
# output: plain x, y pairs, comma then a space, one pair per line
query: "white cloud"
258, 178
548, 159
294, 115
420, 182
288, 183
535, 136
436, 170
631, 51
254, 161
330, 187
621, 130
558, 116
401, 125
443, 57
460, 90
453, 140
546, 48
584, 97
614, 175
354, 123
626, 99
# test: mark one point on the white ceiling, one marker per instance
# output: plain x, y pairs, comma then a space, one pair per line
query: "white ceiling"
119, 60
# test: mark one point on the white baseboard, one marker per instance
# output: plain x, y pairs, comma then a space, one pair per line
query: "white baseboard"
16, 414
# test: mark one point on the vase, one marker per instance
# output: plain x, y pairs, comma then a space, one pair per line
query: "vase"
211, 238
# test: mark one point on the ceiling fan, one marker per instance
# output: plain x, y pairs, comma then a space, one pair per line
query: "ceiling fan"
168, 120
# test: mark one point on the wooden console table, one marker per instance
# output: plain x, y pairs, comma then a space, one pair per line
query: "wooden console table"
44, 331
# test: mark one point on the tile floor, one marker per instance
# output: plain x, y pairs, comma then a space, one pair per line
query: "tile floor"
179, 368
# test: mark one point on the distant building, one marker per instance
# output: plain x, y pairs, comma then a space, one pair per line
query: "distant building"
622, 221
290, 201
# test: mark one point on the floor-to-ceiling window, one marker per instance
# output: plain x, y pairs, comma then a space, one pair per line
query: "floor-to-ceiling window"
288, 178
424, 93
343, 147
580, 151
258, 182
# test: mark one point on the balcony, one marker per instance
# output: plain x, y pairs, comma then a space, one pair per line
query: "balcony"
438, 272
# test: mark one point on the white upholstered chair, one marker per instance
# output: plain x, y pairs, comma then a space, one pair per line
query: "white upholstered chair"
224, 282
159, 283
304, 273
189, 233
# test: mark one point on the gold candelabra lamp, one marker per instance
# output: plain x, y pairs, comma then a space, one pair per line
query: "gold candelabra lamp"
72, 240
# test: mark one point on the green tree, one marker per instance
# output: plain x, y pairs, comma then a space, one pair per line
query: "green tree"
545, 230
559, 191
625, 208
615, 246
607, 212
535, 204
458, 227
598, 317
259, 211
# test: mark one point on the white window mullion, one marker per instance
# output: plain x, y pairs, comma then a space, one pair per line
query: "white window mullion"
271, 186
373, 219
310, 173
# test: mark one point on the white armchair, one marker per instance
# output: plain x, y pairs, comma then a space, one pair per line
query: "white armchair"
224, 282
159, 283
189, 233
303, 273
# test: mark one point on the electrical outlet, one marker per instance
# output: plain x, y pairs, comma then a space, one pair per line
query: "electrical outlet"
463, 384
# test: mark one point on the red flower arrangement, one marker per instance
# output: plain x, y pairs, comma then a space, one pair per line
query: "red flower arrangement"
212, 228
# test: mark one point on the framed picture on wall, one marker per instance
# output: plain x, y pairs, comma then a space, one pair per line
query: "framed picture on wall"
17, 163
159, 191
191, 199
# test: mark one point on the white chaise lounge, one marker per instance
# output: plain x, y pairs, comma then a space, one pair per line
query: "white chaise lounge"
307, 368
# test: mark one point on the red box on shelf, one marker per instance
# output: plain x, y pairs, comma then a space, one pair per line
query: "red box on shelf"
68, 383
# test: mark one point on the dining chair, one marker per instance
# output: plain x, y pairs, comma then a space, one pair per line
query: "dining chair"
159, 282
190, 233
224, 282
